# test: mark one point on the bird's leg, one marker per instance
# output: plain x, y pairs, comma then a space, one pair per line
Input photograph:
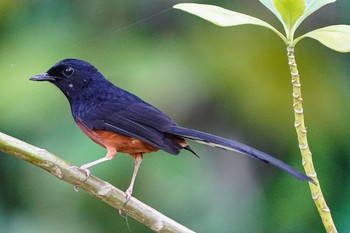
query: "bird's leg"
138, 159
111, 153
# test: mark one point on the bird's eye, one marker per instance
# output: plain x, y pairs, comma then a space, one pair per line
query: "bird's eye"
68, 71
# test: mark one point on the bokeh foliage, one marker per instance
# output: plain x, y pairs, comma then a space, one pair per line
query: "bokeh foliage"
233, 83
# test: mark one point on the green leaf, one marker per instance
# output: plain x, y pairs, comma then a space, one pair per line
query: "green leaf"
310, 7
336, 37
219, 15
269, 4
290, 10
223, 17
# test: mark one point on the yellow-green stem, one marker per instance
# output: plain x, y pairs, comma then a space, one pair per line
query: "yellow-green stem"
306, 154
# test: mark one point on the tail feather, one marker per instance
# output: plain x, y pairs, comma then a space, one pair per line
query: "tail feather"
227, 144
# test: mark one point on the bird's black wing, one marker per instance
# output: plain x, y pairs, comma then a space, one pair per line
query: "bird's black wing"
135, 119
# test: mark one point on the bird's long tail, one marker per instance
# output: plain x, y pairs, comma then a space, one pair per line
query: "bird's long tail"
227, 144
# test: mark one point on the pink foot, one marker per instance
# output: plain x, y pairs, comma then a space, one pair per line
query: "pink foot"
86, 170
128, 193
87, 173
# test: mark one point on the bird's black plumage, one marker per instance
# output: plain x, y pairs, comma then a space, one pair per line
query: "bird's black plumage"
100, 105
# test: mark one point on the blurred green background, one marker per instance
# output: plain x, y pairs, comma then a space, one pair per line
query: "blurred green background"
232, 82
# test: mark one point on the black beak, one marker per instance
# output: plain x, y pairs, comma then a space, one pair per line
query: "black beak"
43, 77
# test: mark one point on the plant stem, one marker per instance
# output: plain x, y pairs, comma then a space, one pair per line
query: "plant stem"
306, 154
94, 186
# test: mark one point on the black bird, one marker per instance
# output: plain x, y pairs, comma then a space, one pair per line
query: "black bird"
122, 122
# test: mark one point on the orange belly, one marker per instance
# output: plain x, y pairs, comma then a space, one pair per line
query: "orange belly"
120, 142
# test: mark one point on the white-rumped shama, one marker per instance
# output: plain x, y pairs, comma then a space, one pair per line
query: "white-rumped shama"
122, 122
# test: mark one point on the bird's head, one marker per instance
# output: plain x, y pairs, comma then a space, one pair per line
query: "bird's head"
71, 76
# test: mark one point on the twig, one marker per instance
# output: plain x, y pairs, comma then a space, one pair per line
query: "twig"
94, 186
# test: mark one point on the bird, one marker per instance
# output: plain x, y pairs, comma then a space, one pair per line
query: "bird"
122, 122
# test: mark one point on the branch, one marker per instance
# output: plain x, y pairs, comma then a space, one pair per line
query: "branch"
94, 186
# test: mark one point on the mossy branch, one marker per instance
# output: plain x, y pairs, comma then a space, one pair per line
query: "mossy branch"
94, 186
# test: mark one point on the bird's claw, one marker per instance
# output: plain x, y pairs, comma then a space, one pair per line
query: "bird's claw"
86, 170
128, 193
